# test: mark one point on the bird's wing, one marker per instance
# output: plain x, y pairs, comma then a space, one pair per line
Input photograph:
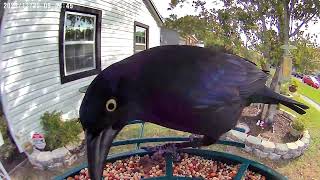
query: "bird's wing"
225, 79
201, 77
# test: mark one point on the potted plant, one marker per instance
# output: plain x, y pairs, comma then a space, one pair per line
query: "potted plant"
293, 86
297, 127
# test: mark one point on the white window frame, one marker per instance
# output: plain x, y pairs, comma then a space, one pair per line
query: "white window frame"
79, 42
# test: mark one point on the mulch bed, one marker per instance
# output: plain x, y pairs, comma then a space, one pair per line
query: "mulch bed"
10, 156
280, 134
15, 159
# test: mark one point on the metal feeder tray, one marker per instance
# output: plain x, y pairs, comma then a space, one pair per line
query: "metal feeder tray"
254, 166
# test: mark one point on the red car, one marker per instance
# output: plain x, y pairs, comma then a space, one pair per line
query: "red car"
311, 81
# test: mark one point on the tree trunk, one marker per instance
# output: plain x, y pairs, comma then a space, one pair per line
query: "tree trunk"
275, 84
266, 67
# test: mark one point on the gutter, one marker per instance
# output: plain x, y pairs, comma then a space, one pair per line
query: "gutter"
154, 10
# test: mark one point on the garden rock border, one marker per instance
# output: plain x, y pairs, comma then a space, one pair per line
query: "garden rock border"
64, 156
266, 149
67, 155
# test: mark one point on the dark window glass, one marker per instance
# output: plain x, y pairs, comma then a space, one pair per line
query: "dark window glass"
80, 32
140, 37
79, 57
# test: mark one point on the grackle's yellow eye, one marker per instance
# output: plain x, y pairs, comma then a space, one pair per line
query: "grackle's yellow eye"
111, 105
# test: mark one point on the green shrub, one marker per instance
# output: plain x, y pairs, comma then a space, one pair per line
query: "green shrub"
7, 149
293, 83
3, 128
293, 87
298, 124
59, 133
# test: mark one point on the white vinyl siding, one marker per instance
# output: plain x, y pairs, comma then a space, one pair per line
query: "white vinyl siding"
30, 74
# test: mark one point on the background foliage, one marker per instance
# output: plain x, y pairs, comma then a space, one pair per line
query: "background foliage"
59, 133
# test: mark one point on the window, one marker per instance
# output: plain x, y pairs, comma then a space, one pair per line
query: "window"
141, 37
79, 42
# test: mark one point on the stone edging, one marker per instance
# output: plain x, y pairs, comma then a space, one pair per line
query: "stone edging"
64, 156
271, 150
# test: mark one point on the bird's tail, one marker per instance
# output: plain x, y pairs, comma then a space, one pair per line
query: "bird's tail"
268, 96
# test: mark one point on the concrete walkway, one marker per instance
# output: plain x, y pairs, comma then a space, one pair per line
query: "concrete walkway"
310, 101
27, 172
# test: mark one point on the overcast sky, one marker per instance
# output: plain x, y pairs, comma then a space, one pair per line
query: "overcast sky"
187, 9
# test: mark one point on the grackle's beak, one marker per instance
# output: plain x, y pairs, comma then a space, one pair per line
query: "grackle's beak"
98, 145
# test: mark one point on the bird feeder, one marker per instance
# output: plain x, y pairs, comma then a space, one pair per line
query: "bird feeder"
243, 164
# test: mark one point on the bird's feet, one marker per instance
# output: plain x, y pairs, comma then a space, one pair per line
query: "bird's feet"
194, 138
169, 148
194, 141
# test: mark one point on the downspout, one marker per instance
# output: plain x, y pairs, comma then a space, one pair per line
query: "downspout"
3, 65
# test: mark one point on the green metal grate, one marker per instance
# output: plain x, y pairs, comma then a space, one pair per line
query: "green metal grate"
219, 156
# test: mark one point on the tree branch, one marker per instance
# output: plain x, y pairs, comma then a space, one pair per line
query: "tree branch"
263, 20
303, 22
291, 6
291, 14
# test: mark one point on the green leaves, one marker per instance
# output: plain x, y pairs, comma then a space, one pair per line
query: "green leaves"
7, 149
306, 58
188, 25
298, 124
57, 132
174, 3
262, 23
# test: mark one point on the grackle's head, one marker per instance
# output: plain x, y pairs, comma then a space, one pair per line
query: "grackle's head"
102, 110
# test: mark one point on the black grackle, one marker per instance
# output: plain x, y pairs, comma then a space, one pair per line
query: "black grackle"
186, 88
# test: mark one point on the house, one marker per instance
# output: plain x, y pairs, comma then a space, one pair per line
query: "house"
172, 37
190, 40
169, 37
52, 49
200, 44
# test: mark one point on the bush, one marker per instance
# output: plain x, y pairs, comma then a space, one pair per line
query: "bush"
7, 149
298, 125
293, 83
59, 133
293, 86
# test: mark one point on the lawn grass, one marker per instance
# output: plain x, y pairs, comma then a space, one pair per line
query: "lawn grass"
150, 130
308, 165
308, 91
